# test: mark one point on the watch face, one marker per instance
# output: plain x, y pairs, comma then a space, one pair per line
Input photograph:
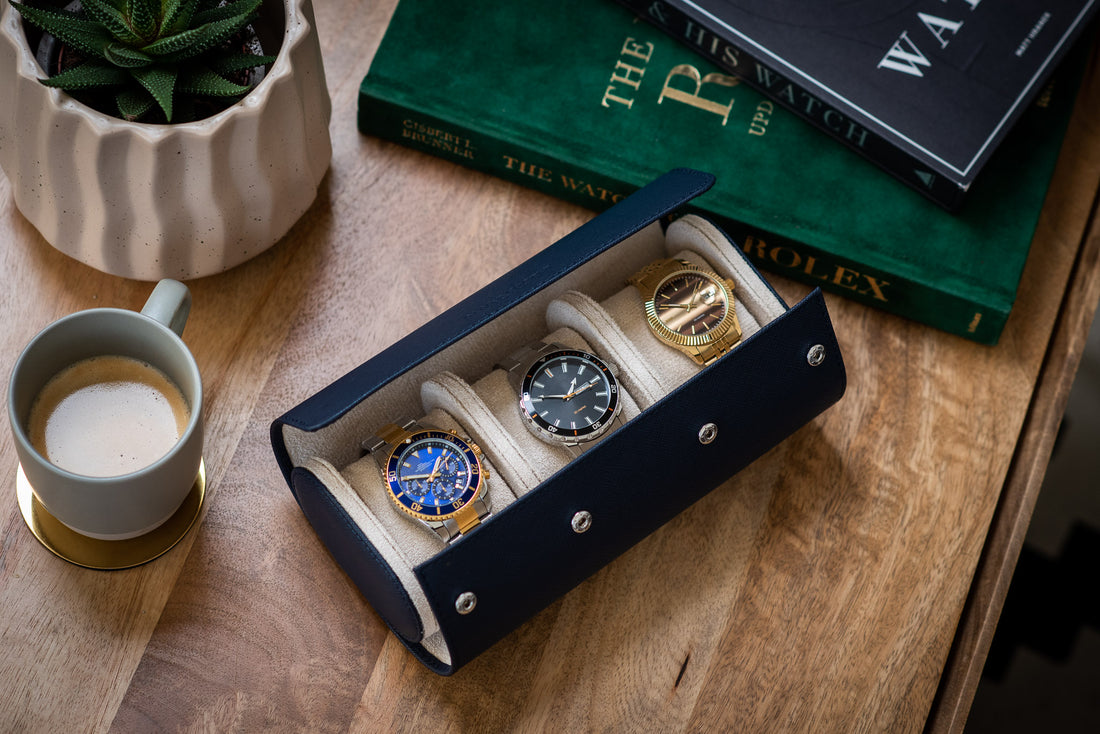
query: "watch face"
433, 474
691, 304
569, 395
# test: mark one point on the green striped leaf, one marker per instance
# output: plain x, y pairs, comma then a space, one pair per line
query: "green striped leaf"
232, 63
81, 33
229, 10
112, 19
179, 19
159, 81
133, 104
178, 43
126, 57
191, 43
88, 76
144, 16
205, 82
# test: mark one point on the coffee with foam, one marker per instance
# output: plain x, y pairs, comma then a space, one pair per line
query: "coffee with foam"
107, 416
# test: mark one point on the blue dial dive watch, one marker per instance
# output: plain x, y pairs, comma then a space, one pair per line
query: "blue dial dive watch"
432, 475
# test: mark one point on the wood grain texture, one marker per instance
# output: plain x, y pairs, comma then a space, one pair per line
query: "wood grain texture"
1021, 490
819, 589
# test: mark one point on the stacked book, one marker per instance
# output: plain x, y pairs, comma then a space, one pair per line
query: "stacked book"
927, 89
588, 102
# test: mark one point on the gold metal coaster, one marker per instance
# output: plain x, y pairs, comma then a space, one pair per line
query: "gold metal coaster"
108, 555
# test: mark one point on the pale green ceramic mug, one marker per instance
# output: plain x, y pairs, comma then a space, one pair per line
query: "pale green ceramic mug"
133, 503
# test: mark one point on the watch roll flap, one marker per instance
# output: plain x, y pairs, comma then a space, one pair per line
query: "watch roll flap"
387, 593
344, 530
528, 551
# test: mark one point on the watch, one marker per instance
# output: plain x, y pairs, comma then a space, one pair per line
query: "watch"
568, 397
690, 308
433, 475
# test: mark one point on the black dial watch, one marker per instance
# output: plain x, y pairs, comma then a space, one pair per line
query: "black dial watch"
433, 475
567, 397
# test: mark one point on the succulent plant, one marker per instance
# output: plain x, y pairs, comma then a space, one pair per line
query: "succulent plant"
149, 54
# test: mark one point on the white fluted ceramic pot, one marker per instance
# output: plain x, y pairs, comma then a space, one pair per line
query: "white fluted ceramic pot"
180, 201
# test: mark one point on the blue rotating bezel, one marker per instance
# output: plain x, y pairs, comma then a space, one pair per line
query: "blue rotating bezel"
428, 512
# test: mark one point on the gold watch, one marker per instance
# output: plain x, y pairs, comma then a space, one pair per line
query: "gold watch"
689, 307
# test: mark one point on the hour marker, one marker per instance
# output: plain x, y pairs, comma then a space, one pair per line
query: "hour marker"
416, 454
538, 385
602, 394
564, 367
548, 372
580, 370
407, 465
536, 400
600, 408
557, 423
573, 425
693, 329
588, 419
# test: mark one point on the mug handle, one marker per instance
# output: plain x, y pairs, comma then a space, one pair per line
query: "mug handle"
170, 304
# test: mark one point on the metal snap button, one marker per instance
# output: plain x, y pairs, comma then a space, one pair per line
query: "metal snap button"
582, 521
816, 355
708, 433
465, 602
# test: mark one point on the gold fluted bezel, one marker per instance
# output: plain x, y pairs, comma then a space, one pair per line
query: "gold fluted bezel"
729, 323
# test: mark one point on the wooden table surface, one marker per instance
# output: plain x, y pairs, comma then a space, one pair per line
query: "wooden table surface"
849, 579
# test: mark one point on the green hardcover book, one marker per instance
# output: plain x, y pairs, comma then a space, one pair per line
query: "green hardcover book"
581, 100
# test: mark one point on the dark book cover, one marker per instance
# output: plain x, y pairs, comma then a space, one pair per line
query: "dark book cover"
598, 103
927, 89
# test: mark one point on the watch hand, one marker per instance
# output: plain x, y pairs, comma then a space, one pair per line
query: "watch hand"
584, 387
694, 294
435, 468
666, 306
572, 390
411, 477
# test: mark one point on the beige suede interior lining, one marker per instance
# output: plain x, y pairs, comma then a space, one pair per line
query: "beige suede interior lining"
460, 388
